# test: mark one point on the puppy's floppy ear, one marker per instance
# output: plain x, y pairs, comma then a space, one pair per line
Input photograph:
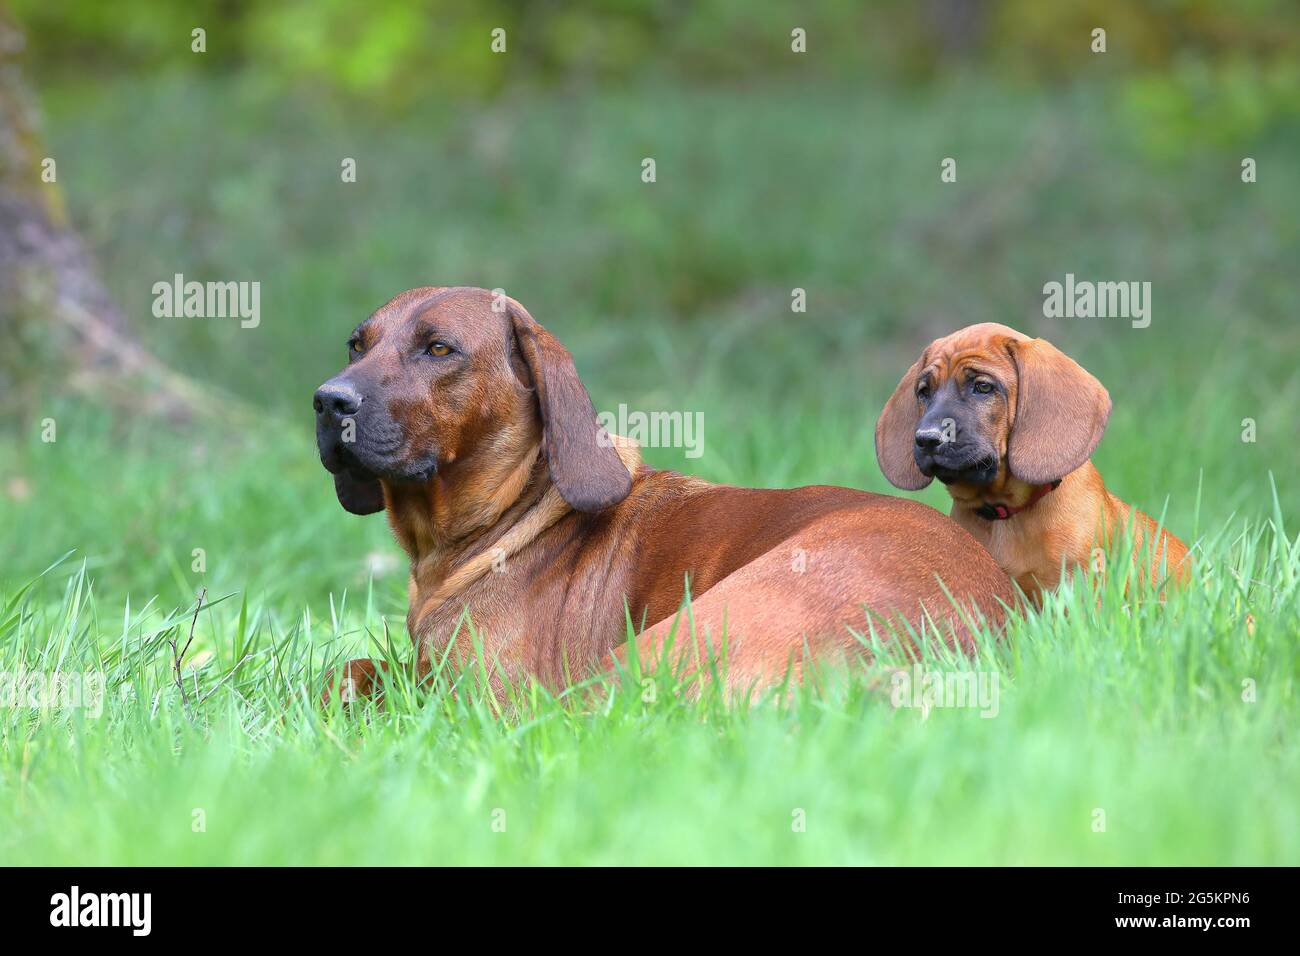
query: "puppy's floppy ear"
359, 494
1061, 412
583, 462
896, 434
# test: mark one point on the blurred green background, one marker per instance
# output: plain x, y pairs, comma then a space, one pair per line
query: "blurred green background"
776, 170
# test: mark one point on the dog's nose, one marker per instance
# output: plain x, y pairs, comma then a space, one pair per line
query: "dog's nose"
928, 439
338, 399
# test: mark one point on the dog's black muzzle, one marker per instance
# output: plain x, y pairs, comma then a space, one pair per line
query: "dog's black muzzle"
942, 451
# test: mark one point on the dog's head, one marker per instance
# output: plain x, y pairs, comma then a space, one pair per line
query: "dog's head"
987, 403
439, 376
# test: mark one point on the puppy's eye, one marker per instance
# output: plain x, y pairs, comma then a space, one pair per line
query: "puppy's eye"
983, 388
439, 349
354, 345
923, 391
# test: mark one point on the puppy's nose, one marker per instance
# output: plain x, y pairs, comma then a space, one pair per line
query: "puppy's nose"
338, 399
928, 439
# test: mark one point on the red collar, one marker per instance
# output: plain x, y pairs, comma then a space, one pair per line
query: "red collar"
992, 512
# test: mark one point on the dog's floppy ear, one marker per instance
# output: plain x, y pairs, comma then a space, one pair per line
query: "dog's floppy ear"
359, 494
896, 434
581, 457
1061, 412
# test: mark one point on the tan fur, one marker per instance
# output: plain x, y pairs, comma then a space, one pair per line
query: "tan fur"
1047, 431
591, 537
549, 509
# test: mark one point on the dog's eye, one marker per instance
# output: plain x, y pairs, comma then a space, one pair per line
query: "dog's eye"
923, 391
439, 348
354, 345
983, 388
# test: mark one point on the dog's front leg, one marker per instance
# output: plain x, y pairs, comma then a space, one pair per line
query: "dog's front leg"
358, 679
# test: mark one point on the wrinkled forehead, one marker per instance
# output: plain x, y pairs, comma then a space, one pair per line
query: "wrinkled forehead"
462, 311
982, 347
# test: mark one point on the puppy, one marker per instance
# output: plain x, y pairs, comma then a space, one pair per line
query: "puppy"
1008, 424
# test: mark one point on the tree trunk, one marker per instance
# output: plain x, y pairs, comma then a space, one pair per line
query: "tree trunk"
58, 324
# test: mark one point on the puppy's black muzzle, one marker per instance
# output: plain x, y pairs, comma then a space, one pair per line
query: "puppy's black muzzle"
944, 451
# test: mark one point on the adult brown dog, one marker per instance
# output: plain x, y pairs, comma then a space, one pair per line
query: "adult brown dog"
469, 425
1008, 424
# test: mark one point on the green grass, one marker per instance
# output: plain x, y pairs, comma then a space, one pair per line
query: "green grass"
671, 299
1133, 709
